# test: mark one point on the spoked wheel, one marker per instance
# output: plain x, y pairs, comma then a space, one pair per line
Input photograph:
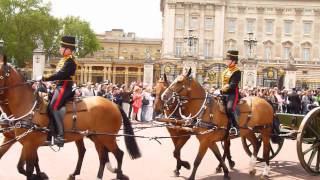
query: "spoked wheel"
308, 142
274, 147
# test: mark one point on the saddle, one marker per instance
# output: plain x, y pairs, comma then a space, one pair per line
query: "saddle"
73, 105
243, 106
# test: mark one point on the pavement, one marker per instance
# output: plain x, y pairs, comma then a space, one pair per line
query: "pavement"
157, 161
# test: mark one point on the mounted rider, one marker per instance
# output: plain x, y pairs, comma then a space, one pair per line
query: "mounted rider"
64, 75
231, 77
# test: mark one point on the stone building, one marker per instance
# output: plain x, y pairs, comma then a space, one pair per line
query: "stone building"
121, 60
286, 33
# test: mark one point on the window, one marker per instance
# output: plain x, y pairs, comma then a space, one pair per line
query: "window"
286, 53
194, 22
267, 53
208, 23
307, 27
232, 25
207, 48
178, 49
269, 26
306, 54
179, 22
194, 48
288, 27
250, 25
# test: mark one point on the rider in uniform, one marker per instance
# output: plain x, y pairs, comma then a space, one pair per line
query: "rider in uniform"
64, 75
231, 77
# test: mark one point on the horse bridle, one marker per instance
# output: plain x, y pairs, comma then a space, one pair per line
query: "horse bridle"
5, 74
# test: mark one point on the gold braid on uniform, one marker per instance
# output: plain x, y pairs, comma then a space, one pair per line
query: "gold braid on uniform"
226, 75
61, 63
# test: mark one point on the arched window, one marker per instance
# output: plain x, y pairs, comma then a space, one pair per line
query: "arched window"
306, 51
286, 50
268, 50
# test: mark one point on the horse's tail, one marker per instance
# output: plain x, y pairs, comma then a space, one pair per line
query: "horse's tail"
130, 141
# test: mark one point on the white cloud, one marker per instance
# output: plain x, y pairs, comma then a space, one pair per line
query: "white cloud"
140, 16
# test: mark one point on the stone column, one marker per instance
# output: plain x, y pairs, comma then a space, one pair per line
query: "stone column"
104, 73
114, 74
90, 73
126, 76
38, 63
85, 80
290, 77
139, 74
219, 32
81, 74
168, 30
148, 73
109, 73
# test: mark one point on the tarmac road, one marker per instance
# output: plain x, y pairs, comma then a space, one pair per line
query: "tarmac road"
157, 161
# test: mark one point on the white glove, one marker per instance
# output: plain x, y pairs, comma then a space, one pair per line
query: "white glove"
38, 78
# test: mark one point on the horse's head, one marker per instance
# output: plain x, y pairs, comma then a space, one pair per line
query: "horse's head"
5, 74
159, 88
184, 87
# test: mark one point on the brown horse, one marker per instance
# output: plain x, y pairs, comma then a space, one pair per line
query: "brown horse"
170, 111
206, 110
21, 99
9, 139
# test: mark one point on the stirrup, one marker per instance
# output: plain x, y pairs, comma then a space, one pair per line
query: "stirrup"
233, 131
59, 141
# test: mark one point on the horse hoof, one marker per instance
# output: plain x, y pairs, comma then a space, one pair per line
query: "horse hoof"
71, 177
218, 170
123, 177
226, 177
232, 164
186, 164
253, 172
264, 177
43, 176
176, 173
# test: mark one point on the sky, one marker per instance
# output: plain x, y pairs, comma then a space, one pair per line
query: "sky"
140, 16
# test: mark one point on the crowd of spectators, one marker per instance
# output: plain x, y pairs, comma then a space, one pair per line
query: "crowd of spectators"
293, 101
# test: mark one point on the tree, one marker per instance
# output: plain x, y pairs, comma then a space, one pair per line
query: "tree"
22, 23
87, 42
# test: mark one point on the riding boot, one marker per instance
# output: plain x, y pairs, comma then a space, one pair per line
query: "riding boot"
234, 129
51, 132
58, 117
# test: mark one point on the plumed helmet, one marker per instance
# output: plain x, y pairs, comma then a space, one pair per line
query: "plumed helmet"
68, 42
233, 55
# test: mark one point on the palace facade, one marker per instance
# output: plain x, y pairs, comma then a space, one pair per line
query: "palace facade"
197, 33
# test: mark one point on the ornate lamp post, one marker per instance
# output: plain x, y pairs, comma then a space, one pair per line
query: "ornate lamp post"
191, 40
250, 43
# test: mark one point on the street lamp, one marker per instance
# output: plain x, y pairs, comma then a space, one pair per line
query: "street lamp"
191, 40
251, 42
1, 46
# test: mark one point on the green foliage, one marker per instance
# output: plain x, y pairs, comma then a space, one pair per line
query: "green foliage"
86, 38
22, 22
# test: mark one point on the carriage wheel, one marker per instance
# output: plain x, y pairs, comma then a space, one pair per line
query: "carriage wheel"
308, 142
274, 147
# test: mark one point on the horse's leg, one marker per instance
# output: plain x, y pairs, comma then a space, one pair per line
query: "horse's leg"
226, 154
81, 151
111, 144
178, 144
103, 158
40, 175
253, 161
266, 133
214, 148
21, 164
201, 152
6, 147
29, 155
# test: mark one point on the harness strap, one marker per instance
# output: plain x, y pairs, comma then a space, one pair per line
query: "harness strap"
74, 115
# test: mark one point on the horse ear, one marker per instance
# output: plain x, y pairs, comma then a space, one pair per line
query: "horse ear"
165, 77
189, 72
